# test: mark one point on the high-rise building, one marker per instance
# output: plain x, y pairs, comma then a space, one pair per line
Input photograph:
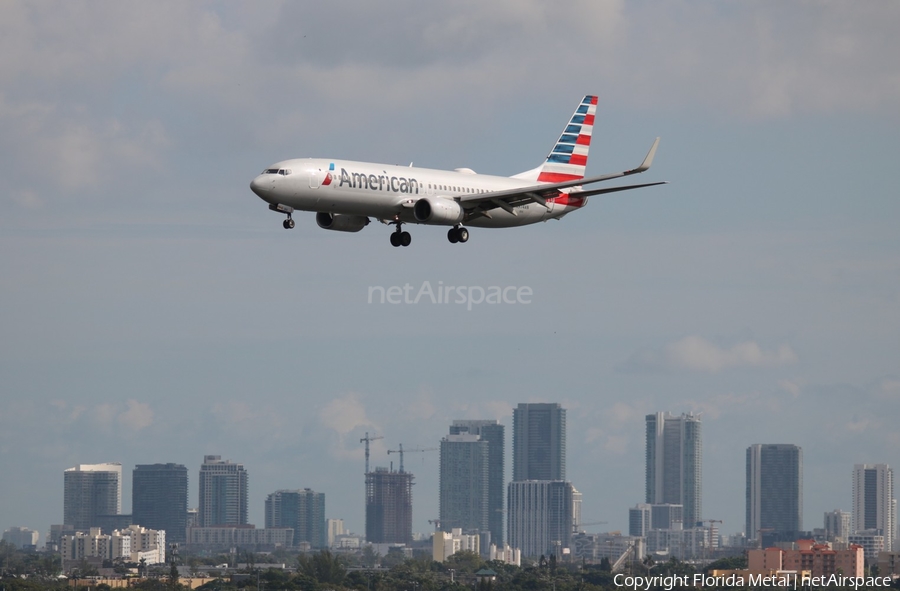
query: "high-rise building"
493, 433
91, 490
21, 537
388, 507
874, 505
774, 490
639, 520
539, 442
335, 528
674, 463
223, 493
301, 510
667, 516
837, 526
464, 483
159, 498
540, 516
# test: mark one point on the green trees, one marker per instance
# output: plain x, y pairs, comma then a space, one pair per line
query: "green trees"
323, 567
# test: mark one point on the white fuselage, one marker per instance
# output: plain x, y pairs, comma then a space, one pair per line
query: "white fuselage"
389, 192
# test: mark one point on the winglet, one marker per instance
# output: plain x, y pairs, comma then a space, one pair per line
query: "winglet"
648, 160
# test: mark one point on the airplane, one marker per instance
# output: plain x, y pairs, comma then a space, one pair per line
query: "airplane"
344, 194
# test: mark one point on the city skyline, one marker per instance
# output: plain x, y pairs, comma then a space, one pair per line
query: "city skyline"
754, 458
169, 312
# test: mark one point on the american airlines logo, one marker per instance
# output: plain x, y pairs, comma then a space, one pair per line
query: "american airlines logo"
379, 182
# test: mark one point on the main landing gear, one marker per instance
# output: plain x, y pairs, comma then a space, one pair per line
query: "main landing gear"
457, 234
400, 238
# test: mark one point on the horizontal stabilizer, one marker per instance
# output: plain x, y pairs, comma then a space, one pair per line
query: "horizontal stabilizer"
615, 189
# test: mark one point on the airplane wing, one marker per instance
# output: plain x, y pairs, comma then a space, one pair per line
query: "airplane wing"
511, 198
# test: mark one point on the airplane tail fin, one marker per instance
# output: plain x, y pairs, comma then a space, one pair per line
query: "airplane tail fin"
568, 159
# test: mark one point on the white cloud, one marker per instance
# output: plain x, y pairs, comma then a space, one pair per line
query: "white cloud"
137, 416
694, 353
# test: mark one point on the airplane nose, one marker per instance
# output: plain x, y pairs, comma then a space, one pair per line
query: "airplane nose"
257, 185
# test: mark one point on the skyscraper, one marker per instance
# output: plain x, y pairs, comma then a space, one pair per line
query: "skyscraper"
674, 464
539, 442
159, 498
301, 510
774, 490
463, 501
388, 507
874, 505
91, 490
541, 516
493, 433
223, 493
837, 526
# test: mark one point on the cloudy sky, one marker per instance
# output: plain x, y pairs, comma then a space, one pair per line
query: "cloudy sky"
153, 310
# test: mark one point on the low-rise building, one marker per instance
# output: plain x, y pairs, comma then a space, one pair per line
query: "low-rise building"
506, 554
446, 544
872, 541
131, 544
594, 548
889, 563
818, 559
235, 536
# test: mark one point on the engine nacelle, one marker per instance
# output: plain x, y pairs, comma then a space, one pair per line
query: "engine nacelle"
340, 222
438, 210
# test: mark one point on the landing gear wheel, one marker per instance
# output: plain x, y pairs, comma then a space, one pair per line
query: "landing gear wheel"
288, 224
462, 235
405, 238
452, 236
395, 238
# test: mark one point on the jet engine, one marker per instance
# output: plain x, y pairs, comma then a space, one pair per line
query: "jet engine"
340, 222
438, 210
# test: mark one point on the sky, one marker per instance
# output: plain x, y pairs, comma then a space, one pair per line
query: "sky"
153, 310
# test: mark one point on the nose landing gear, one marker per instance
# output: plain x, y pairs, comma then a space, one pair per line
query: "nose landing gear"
286, 209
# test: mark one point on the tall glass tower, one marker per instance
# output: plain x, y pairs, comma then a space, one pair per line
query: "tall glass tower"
874, 506
91, 491
493, 433
774, 490
223, 493
674, 464
159, 499
539, 442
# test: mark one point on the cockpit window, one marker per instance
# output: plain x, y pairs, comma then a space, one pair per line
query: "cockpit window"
284, 171
271, 171
281, 171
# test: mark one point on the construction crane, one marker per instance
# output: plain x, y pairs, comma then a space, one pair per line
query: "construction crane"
367, 439
576, 526
401, 452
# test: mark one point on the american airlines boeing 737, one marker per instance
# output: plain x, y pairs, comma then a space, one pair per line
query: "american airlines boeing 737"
346, 194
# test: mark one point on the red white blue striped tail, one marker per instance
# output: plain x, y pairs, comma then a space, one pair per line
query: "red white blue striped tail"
568, 159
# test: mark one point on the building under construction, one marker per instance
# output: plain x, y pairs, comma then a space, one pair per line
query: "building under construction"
389, 507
